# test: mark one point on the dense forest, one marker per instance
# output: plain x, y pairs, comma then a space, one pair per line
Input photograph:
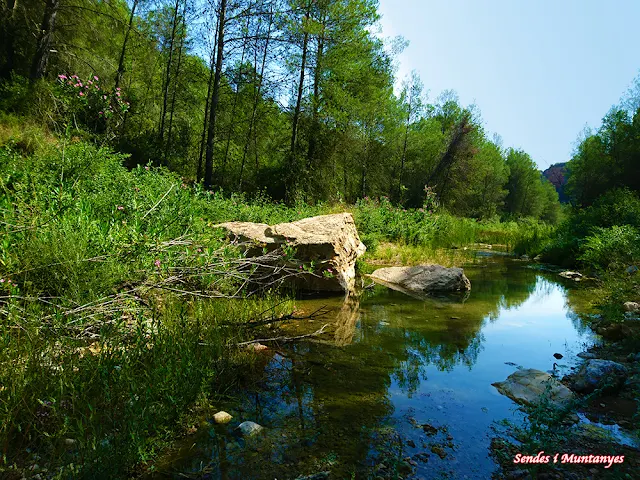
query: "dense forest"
290, 98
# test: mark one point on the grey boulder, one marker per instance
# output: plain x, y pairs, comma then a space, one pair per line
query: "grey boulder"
423, 279
598, 374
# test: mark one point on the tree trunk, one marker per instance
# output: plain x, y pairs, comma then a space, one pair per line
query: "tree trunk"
235, 103
7, 37
175, 83
206, 107
256, 101
167, 78
215, 97
313, 134
43, 48
120, 71
291, 170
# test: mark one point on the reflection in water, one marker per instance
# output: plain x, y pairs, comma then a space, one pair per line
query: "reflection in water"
391, 364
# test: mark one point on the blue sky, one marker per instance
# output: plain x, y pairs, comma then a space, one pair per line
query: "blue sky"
539, 70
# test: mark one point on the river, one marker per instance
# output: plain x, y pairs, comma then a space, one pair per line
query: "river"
395, 377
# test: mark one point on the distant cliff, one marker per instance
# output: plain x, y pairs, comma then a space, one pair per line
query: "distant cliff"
557, 175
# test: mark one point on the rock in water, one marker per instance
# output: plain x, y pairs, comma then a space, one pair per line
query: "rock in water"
530, 386
249, 429
632, 307
423, 279
596, 374
222, 417
330, 241
577, 276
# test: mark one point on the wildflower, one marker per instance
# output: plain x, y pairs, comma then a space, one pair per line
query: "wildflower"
81, 94
1, 280
95, 77
62, 77
120, 207
146, 168
104, 97
199, 250
100, 113
157, 263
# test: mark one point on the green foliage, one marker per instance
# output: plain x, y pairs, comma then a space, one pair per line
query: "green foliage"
611, 248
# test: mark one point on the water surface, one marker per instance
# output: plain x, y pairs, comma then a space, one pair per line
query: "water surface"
396, 377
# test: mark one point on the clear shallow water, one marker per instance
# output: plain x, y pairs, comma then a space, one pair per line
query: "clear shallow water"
359, 396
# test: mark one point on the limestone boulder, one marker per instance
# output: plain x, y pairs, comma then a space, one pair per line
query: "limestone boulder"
423, 279
531, 386
328, 242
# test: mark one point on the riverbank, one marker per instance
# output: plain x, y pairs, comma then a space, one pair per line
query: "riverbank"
602, 414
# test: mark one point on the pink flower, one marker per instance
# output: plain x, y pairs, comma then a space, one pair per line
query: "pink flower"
100, 113
95, 77
62, 77
1, 280
120, 207
80, 84
81, 94
104, 97
157, 263
146, 168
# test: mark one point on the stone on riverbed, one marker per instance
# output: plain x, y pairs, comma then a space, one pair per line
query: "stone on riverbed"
331, 242
423, 279
596, 374
222, 417
249, 429
530, 386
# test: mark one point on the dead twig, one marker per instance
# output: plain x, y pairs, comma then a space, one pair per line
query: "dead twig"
282, 339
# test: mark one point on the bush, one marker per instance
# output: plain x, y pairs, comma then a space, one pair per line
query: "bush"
611, 248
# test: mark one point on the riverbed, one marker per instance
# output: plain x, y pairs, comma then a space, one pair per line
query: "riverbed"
395, 384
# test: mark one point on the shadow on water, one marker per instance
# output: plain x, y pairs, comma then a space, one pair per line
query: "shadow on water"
394, 377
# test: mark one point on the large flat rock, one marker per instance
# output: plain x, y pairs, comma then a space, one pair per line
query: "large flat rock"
423, 279
331, 242
530, 386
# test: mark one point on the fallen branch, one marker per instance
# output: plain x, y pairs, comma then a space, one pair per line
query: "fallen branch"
282, 339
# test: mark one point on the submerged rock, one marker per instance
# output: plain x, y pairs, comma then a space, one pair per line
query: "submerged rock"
330, 241
249, 429
598, 374
577, 276
222, 417
531, 386
423, 279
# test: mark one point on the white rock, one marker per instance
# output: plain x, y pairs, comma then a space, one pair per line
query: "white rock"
330, 241
222, 417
